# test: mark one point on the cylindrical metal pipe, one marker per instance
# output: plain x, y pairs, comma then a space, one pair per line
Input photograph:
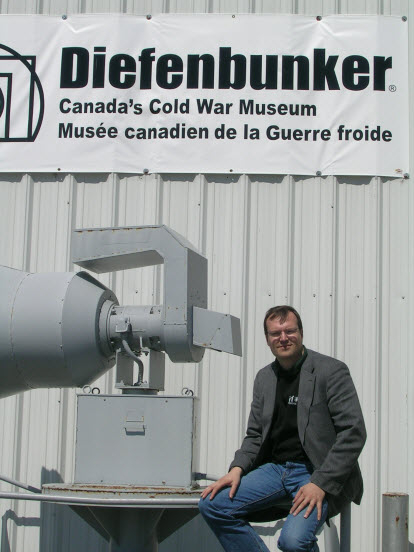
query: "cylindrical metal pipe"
330, 536
20, 484
50, 330
93, 501
345, 530
147, 328
395, 522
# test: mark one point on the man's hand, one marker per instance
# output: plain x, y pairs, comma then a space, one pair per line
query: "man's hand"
231, 479
309, 495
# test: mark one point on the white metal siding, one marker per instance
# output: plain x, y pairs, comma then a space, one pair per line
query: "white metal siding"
339, 249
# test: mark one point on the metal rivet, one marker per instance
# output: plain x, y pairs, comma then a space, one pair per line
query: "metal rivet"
233, 16
145, 171
404, 18
406, 176
231, 170
149, 16
318, 173
318, 18
64, 17
58, 169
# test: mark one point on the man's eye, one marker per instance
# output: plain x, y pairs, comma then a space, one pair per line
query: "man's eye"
289, 333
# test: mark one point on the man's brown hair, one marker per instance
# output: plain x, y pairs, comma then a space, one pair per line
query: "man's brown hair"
282, 312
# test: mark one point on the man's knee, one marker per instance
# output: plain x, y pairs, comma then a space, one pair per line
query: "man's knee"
207, 508
296, 543
204, 507
216, 510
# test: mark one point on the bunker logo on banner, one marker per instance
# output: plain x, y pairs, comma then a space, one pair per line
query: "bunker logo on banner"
204, 94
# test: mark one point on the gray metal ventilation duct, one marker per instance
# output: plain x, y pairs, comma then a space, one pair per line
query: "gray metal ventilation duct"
66, 329
49, 330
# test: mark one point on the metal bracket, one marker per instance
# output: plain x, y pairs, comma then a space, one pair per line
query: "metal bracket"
183, 325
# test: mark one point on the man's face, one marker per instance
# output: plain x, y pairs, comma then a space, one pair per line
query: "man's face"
285, 340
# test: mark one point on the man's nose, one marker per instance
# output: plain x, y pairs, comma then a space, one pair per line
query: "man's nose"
283, 336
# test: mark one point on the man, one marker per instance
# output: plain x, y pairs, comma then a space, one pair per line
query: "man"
305, 433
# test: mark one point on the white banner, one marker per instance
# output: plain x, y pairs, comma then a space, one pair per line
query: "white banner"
204, 94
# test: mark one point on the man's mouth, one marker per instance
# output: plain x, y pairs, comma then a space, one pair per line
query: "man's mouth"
284, 347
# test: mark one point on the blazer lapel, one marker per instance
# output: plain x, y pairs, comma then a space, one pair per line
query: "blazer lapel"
306, 389
269, 397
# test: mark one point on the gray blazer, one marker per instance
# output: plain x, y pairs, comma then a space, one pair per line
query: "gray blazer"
330, 424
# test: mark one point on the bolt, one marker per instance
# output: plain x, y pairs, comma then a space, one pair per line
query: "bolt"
64, 17
318, 173
318, 18
404, 18
149, 16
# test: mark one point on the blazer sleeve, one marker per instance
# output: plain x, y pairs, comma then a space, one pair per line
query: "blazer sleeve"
246, 456
346, 416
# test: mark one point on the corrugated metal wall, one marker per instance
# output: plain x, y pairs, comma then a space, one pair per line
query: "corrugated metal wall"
339, 249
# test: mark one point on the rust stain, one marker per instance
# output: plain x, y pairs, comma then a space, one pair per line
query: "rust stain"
397, 519
152, 492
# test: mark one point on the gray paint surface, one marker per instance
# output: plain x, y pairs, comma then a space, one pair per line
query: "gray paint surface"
134, 440
49, 328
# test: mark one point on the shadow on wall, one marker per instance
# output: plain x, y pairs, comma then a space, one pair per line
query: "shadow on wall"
183, 539
195, 530
10, 515
61, 529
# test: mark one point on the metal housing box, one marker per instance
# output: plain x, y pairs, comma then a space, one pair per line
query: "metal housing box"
134, 440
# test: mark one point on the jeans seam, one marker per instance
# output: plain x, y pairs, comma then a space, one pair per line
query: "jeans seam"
232, 512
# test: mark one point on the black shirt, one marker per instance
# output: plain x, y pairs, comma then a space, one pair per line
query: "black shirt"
284, 437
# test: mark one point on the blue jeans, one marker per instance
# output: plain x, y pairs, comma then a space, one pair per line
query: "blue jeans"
259, 489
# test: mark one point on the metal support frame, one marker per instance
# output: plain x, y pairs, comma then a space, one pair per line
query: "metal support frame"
182, 326
81, 329
130, 519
